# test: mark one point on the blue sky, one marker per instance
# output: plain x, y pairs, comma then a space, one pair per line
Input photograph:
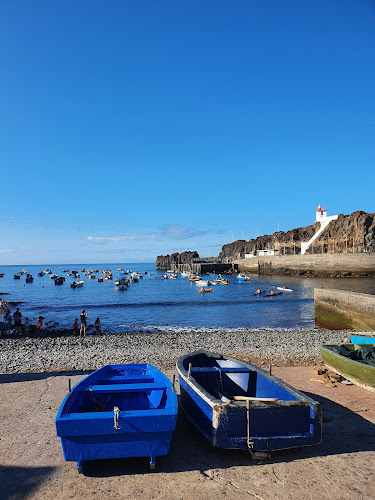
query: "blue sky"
133, 129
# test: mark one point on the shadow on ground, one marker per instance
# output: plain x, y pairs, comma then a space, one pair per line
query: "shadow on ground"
20, 482
344, 431
8, 378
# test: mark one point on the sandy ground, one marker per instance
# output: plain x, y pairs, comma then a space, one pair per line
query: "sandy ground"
32, 464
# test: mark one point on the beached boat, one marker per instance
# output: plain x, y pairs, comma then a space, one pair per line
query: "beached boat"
362, 337
118, 411
235, 404
77, 284
355, 362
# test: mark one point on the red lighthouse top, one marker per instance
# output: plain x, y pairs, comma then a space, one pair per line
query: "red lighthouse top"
321, 209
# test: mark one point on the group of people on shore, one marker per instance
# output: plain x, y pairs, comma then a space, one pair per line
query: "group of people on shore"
83, 326
7, 320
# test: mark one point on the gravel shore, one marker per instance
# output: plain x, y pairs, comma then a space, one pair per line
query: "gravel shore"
67, 352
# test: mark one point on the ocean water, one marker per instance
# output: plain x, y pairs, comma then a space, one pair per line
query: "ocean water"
154, 303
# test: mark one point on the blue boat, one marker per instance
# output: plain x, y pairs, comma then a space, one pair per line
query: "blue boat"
362, 338
235, 404
118, 411
29, 279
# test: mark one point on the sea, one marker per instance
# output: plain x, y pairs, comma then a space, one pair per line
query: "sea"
155, 304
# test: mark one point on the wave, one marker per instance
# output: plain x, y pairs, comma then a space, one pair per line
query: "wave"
140, 305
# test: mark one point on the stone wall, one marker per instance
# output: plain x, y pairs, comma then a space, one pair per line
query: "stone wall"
338, 309
343, 264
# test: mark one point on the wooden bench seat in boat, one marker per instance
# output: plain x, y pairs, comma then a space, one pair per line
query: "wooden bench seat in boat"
212, 369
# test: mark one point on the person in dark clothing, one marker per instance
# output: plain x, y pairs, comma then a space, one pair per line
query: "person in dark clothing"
17, 321
82, 330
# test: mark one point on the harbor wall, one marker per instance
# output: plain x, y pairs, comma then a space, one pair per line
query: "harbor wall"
338, 309
340, 264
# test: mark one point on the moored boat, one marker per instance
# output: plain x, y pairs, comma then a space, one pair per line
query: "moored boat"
355, 362
116, 412
235, 404
243, 277
77, 284
59, 281
29, 278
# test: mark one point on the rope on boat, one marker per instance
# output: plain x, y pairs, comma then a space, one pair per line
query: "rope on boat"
100, 406
116, 417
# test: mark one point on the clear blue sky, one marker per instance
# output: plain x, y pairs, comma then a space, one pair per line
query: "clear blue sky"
131, 129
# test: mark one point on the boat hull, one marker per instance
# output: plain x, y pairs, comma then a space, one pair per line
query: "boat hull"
147, 404
356, 371
293, 420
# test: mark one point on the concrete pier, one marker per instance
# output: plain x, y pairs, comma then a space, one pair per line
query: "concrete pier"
360, 264
338, 309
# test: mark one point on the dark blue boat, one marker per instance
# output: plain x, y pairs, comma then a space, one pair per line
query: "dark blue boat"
116, 412
235, 404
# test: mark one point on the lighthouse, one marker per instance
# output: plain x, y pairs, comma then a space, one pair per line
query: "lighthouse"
324, 220
321, 214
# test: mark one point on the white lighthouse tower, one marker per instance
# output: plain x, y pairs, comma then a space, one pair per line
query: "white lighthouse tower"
324, 220
321, 213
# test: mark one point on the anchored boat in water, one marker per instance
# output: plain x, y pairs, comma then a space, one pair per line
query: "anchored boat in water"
118, 411
235, 404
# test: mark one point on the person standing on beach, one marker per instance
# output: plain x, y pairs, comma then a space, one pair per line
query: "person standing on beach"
97, 325
82, 331
4, 309
17, 321
75, 327
27, 323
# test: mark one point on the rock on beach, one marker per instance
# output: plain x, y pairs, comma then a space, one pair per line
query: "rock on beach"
67, 352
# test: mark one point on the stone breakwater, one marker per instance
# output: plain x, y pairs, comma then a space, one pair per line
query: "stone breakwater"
61, 353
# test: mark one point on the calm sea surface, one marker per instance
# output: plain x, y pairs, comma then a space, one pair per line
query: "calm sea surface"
167, 304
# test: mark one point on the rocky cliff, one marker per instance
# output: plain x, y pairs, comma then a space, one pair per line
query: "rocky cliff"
342, 235
165, 261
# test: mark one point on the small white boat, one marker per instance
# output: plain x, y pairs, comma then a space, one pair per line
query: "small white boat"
243, 277
284, 289
201, 283
184, 274
92, 276
77, 284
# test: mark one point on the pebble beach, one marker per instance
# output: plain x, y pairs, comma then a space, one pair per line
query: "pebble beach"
291, 347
